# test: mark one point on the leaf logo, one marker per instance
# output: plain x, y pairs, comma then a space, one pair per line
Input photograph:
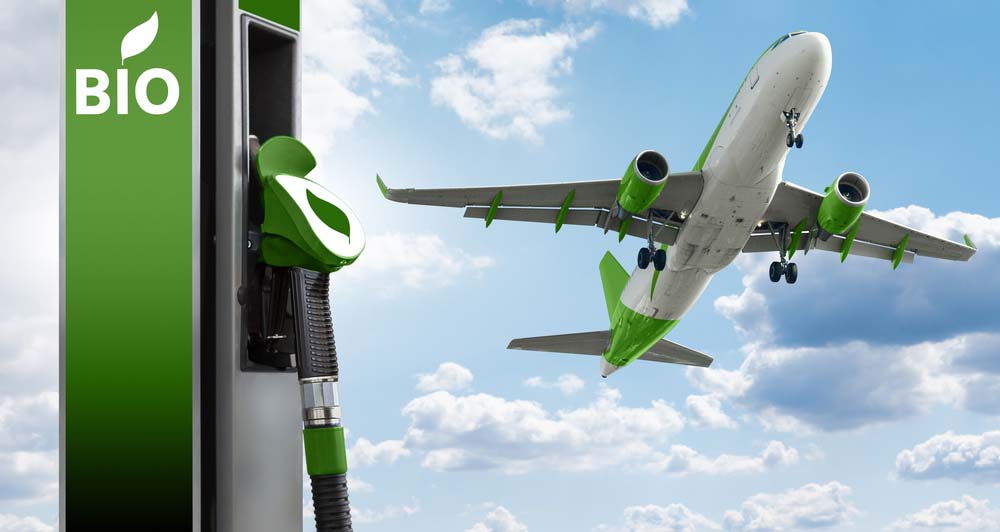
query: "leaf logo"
139, 38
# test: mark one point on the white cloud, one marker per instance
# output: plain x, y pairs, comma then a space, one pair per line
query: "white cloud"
29, 422
682, 460
347, 57
397, 261
810, 506
567, 383
655, 13
365, 453
29, 476
706, 411
16, 523
958, 515
483, 431
367, 516
974, 457
670, 518
857, 371
428, 7
449, 376
499, 520
502, 84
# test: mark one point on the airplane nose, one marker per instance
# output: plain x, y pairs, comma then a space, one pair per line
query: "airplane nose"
814, 52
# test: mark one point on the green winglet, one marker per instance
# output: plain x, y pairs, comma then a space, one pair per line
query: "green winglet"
381, 186
561, 217
493, 207
846, 248
897, 256
623, 228
793, 246
968, 242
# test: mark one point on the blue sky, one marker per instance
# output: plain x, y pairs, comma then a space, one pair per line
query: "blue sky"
858, 399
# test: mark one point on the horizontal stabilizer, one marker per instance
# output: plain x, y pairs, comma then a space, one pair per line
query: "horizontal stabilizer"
596, 342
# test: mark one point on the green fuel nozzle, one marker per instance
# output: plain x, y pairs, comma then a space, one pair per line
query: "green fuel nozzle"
306, 234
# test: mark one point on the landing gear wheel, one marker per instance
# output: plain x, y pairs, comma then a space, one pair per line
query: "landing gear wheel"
660, 259
644, 258
798, 140
775, 271
791, 273
790, 140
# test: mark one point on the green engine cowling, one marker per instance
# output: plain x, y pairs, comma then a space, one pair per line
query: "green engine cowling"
643, 181
844, 201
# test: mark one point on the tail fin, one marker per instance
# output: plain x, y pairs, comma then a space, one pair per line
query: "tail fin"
613, 277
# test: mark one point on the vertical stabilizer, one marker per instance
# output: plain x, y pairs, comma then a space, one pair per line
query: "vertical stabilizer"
614, 278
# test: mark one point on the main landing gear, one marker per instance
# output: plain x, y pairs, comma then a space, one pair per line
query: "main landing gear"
791, 119
781, 267
649, 253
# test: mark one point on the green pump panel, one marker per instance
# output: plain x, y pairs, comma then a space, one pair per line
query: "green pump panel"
168, 418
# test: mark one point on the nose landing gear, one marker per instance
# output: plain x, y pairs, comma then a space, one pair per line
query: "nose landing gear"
791, 118
781, 267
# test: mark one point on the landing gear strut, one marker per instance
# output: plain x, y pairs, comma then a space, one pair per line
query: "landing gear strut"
781, 267
791, 119
649, 253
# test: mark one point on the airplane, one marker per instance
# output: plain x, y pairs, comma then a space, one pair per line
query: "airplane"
696, 223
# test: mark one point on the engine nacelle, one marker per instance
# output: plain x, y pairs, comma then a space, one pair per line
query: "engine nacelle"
844, 201
643, 181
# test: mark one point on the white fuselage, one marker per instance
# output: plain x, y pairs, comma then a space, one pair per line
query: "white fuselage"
741, 173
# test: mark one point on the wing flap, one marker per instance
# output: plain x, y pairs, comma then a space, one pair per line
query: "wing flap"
764, 242
664, 234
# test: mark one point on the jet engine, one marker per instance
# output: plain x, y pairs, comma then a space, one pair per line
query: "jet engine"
642, 183
844, 201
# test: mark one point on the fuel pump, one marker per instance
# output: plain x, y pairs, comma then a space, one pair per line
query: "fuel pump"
306, 233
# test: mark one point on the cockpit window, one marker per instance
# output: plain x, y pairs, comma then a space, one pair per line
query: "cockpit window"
785, 38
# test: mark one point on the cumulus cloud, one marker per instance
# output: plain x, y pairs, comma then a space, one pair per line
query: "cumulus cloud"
499, 520
16, 523
671, 518
483, 431
347, 57
857, 370
682, 460
869, 295
449, 376
706, 411
427, 262
502, 85
567, 383
655, 13
958, 515
807, 507
365, 453
973, 457
29, 476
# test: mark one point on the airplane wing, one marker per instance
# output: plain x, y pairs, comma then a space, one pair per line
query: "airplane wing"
797, 207
586, 203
